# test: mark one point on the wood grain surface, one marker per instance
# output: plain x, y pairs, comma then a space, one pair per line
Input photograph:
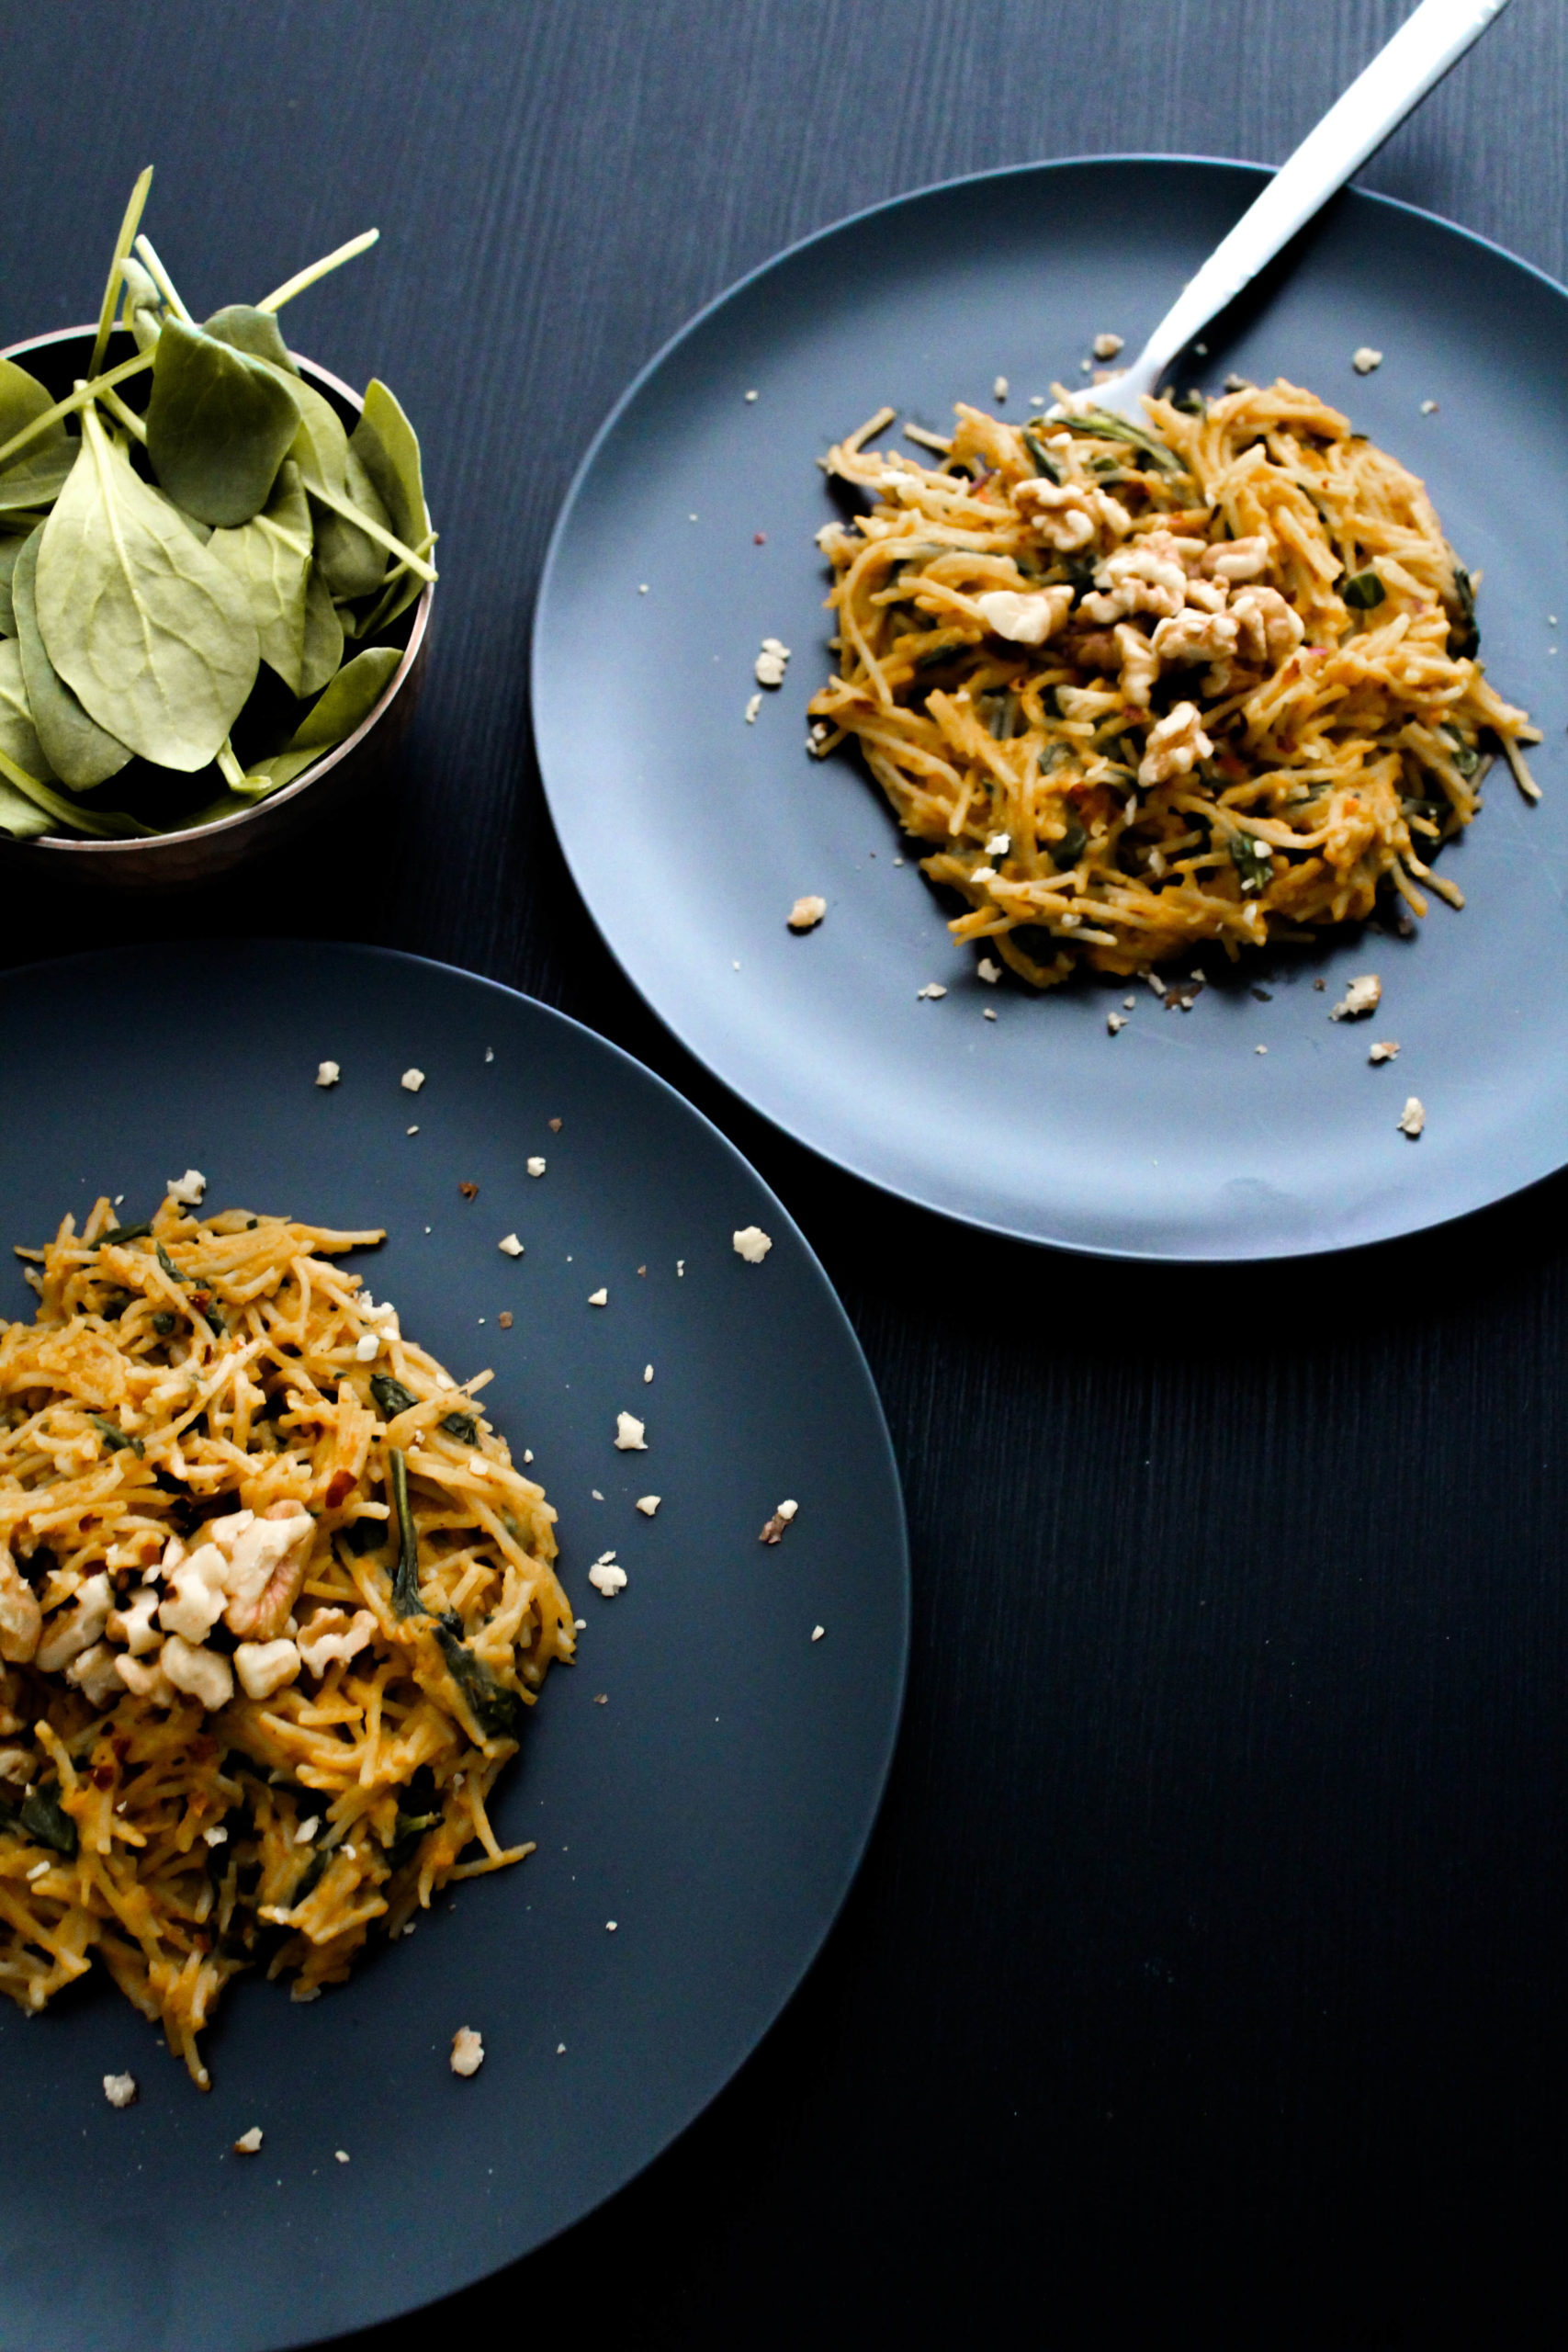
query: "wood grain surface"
1205, 1983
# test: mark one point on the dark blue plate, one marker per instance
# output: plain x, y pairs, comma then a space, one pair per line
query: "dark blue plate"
715, 1807
690, 833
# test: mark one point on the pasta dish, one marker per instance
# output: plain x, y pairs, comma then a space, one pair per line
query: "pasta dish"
1135, 688
273, 1602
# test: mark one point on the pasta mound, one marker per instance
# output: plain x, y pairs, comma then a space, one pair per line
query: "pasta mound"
191, 1425
1143, 687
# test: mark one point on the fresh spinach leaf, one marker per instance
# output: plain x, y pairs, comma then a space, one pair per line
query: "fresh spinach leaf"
256, 332
11, 545
1364, 592
18, 736
35, 476
40, 1817
78, 750
352, 563
323, 654
389, 446
149, 629
270, 557
219, 425
462, 1425
351, 697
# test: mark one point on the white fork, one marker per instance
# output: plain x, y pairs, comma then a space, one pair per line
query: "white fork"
1431, 39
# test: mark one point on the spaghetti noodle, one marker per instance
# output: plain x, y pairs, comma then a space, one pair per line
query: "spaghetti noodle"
273, 1600
1137, 688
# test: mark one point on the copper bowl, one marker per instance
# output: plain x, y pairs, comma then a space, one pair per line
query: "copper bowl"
343, 776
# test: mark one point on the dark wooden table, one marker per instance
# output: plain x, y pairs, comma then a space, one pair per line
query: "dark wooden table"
1205, 1981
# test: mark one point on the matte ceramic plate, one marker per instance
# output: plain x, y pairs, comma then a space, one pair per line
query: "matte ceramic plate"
714, 1807
687, 539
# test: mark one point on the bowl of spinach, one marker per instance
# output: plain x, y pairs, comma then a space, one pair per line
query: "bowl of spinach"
216, 578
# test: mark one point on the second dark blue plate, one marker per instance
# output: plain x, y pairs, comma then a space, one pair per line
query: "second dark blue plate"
687, 539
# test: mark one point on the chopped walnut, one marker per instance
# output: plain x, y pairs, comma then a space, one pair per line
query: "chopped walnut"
1025, 618
1066, 514
1269, 628
469, 1191
1193, 636
1176, 744
1147, 577
1238, 559
1139, 662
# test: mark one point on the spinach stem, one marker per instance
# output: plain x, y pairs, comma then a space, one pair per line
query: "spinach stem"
128, 229
90, 390
351, 513
405, 1578
394, 579
161, 278
123, 414
298, 283
107, 827
233, 774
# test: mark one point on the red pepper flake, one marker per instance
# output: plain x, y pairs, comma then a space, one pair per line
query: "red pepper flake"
469, 1191
339, 1486
758, 538
773, 1532
103, 1776
555, 1127
504, 1318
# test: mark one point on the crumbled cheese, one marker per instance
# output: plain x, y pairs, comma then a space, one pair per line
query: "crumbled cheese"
1384, 1050
510, 1245
629, 1435
1412, 1118
999, 845
327, 1073
1361, 996
750, 396
999, 389
39, 1869
412, 1131
536, 1166
467, 2051
786, 1511
120, 2089
368, 1347
341, 2154
1365, 359
217, 1835
1428, 408
605, 1577
818, 1632
648, 1504
988, 1014
599, 1297
986, 873
187, 1189
1115, 1022
646, 1374
1106, 346
249, 2143
751, 1243
806, 914
990, 973
610, 1926
412, 1080
307, 1829
478, 1467
753, 706
771, 663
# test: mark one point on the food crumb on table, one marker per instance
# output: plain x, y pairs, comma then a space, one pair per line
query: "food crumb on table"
753, 706
510, 1245
505, 1319
249, 2143
1364, 359
990, 973
327, 1073
467, 2051
341, 2154
1384, 1050
933, 988
1115, 1022
536, 1166
648, 1504
120, 2089
999, 389
412, 1080
1428, 408
818, 1632
600, 1298
1107, 346
629, 1437
989, 1013
774, 1528
607, 1577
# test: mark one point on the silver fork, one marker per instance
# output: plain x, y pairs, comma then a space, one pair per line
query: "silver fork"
1431, 39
